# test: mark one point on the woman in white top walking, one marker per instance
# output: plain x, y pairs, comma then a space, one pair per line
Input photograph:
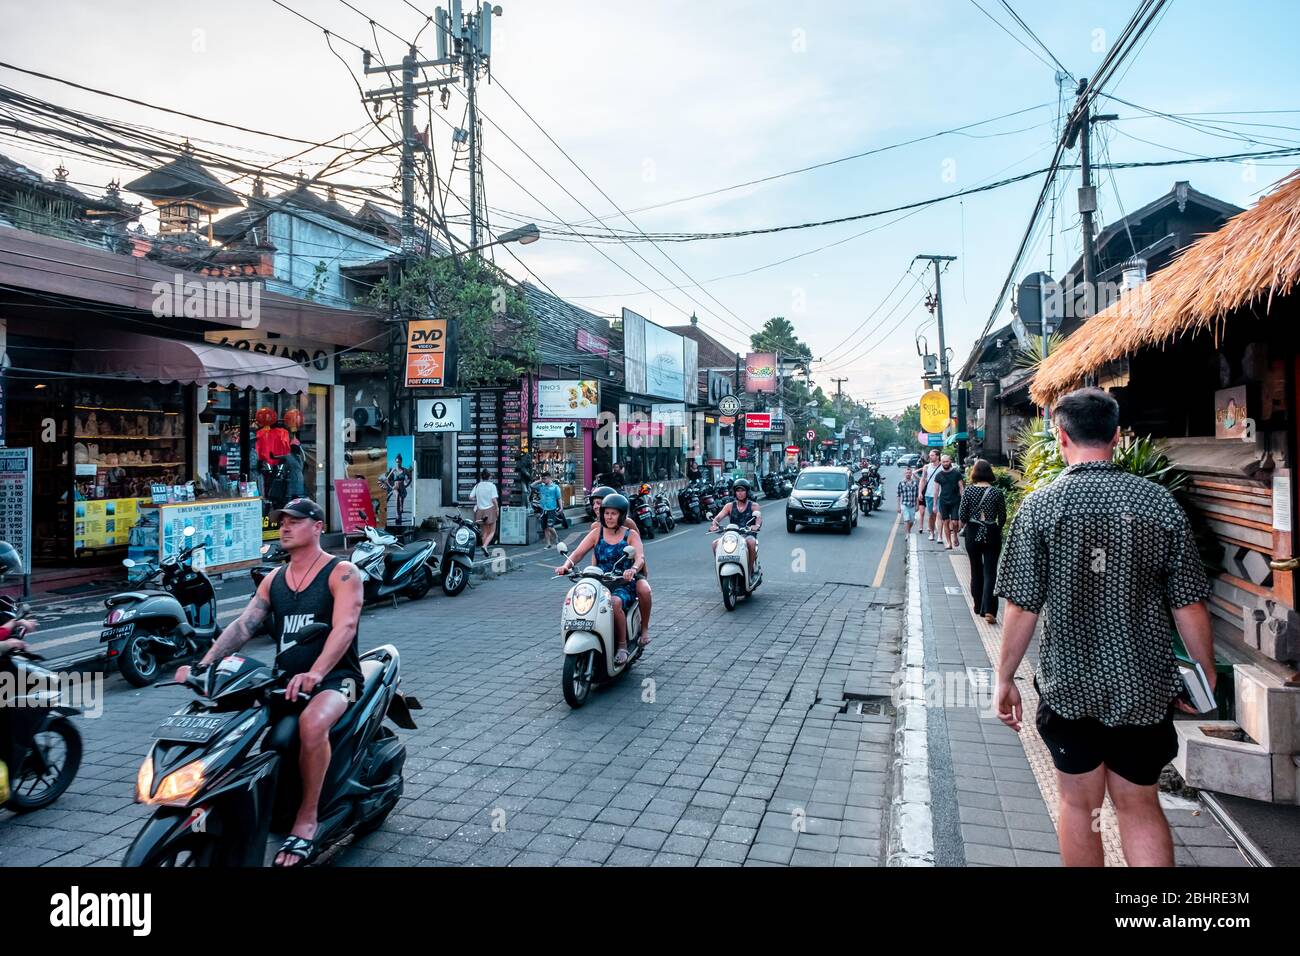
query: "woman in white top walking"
486, 508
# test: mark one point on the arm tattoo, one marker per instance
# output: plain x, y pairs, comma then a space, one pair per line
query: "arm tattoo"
241, 631
347, 576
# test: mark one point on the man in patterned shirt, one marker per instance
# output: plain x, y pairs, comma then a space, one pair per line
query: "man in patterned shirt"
1110, 558
907, 493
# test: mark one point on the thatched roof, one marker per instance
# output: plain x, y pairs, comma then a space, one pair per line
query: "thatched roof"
1252, 260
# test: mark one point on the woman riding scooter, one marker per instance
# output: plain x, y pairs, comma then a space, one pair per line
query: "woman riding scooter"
744, 513
643, 593
609, 540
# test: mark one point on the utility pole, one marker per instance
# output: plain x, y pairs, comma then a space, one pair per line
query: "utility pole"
1080, 127
938, 296
463, 41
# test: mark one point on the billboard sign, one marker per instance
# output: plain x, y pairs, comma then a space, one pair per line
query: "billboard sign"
568, 398
426, 353
758, 421
760, 372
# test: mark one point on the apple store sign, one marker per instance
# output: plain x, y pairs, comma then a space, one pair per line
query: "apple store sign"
439, 414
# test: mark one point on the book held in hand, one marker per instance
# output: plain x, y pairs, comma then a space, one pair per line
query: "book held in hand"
1196, 688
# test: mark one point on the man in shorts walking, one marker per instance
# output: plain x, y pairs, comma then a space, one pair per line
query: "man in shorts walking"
1110, 558
907, 492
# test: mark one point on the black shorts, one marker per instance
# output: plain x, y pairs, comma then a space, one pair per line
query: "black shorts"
948, 509
1136, 752
346, 682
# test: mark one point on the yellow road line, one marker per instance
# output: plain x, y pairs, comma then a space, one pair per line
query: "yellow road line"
889, 549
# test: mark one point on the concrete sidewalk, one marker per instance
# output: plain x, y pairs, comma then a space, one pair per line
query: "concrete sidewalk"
993, 792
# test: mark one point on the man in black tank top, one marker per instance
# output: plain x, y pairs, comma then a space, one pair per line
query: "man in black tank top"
312, 588
744, 513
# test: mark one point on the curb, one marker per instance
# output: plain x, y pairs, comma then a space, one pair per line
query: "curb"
910, 840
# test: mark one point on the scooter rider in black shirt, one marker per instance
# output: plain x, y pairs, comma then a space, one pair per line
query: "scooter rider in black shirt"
745, 514
312, 588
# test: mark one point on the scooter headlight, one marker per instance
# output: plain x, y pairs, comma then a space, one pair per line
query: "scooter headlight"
584, 598
180, 785
144, 780
462, 536
730, 543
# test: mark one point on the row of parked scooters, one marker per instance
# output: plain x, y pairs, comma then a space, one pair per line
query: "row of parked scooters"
171, 614
701, 500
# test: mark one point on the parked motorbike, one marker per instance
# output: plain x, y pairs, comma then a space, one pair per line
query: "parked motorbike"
732, 560
663, 511
389, 568
459, 548
708, 502
44, 746
587, 629
149, 628
641, 511
223, 775
688, 500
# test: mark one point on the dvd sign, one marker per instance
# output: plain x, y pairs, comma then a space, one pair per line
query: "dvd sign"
439, 415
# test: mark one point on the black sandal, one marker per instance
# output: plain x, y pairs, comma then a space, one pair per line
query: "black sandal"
305, 850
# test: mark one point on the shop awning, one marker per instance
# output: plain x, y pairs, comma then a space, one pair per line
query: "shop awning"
152, 359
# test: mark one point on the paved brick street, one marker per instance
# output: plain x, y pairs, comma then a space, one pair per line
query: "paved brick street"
731, 742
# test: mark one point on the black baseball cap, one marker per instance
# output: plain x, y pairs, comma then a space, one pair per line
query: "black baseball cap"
300, 508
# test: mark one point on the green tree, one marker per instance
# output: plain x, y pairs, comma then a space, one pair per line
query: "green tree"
778, 335
496, 331
909, 423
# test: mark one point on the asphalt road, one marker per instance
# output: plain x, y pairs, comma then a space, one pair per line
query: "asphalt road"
761, 735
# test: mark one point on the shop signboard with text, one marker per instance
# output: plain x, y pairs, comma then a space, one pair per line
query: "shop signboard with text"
230, 531
439, 415
356, 507
16, 501
426, 353
568, 398
758, 421
556, 430
589, 342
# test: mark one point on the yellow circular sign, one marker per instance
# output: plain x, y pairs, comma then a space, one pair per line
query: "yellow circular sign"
934, 411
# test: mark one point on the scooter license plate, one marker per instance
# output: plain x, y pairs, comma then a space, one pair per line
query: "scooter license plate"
114, 633
191, 728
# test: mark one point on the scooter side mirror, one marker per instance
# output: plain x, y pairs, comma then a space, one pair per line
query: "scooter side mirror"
128, 563
189, 531
311, 632
266, 549
629, 552
562, 548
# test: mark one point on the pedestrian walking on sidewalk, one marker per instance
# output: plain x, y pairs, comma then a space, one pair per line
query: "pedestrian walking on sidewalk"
949, 485
1109, 558
487, 507
982, 513
907, 492
930, 494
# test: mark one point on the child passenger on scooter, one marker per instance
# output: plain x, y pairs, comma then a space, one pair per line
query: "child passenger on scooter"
609, 540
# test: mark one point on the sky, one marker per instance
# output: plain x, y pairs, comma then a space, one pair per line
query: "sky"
655, 102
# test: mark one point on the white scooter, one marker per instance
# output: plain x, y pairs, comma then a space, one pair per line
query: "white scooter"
587, 626
733, 565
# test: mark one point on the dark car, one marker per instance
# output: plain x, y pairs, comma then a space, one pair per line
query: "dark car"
822, 496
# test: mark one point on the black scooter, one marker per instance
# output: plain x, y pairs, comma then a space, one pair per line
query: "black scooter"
149, 628
462, 543
688, 499
222, 771
44, 750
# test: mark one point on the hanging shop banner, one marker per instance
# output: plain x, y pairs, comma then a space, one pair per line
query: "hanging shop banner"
556, 430
398, 481
356, 507
595, 344
16, 501
934, 411
317, 360
760, 372
230, 531
568, 398
439, 415
758, 421
426, 353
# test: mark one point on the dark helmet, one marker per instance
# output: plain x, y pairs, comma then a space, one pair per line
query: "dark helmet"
600, 491
618, 503
10, 561
742, 483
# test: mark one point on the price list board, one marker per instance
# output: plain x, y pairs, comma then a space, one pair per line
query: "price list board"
16, 501
497, 424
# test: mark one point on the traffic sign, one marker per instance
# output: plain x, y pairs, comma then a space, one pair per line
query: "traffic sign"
729, 404
792, 449
811, 434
